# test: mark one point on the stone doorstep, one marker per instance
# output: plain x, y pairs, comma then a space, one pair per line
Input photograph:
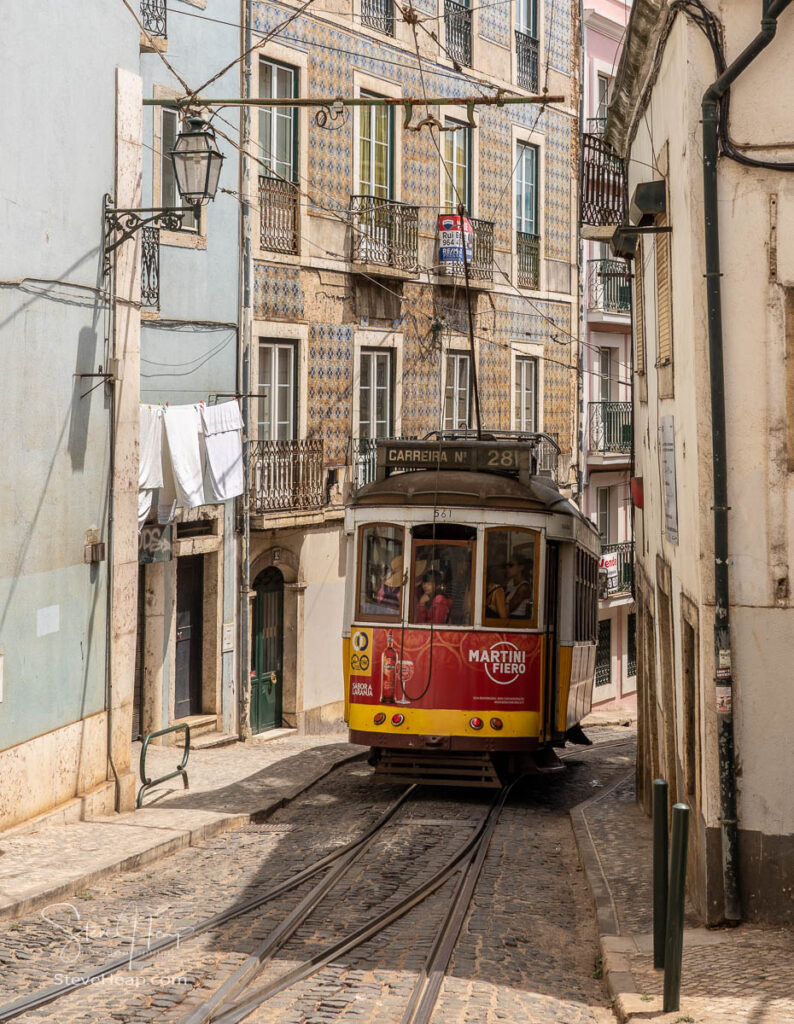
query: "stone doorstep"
99, 800
271, 734
210, 740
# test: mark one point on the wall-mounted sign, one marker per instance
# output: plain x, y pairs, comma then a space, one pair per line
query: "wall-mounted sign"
608, 571
450, 242
667, 433
154, 544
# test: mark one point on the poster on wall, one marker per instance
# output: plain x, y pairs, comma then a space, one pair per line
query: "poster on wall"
608, 572
667, 431
450, 247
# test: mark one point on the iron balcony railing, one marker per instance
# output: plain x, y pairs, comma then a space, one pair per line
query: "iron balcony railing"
150, 268
596, 126
616, 578
278, 214
547, 454
385, 232
528, 249
481, 263
378, 14
286, 475
610, 427
458, 31
527, 61
153, 17
603, 183
608, 286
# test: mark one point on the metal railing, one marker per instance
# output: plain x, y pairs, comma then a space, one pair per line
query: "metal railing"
603, 183
528, 250
547, 454
150, 268
457, 18
378, 14
153, 17
610, 427
608, 286
286, 475
180, 770
481, 263
527, 61
385, 232
619, 580
278, 214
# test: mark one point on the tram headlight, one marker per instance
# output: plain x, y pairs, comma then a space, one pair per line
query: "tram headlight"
397, 719
496, 723
476, 723
379, 719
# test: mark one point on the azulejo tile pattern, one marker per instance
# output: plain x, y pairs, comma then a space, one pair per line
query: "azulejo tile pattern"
421, 409
330, 384
278, 294
558, 34
495, 23
557, 206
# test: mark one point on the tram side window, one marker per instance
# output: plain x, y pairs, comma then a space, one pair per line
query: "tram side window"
442, 581
380, 584
510, 570
585, 603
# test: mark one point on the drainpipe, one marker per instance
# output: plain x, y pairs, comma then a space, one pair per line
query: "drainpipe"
244, 319
722, 641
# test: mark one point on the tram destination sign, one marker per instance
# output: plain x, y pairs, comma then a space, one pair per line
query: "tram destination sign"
473, 455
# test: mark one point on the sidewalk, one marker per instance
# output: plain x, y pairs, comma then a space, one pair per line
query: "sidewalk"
741, 975
229, 786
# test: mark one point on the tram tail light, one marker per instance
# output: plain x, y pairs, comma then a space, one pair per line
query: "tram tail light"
379, 719
476, 723
397, 719
496, 723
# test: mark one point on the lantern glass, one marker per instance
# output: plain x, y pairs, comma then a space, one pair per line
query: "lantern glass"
197, 163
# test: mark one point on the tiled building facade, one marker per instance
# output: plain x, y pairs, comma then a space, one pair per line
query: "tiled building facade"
350, 303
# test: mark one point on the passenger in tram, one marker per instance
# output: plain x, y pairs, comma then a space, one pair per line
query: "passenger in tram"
432, 605
460, 587
518, 590
388, 596
495, 599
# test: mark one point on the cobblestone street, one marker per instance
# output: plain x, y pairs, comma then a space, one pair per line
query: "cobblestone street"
528, 950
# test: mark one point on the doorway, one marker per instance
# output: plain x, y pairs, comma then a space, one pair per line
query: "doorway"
189, 632
267, 651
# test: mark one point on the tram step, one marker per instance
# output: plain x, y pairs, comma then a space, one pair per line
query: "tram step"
438, 769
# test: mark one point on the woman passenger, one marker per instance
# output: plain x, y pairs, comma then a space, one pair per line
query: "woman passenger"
432, 605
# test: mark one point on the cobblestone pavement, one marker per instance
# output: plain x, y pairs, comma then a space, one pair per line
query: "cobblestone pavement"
741, 975
528, 951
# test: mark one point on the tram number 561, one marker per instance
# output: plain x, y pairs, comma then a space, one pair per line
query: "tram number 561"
442, 515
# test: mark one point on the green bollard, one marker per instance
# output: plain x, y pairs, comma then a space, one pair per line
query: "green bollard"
659, 869
674, 942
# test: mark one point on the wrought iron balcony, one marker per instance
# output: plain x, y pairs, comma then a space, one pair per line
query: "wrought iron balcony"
378, 14
527, 61
610, 427
385, 232
278, 214
153, 17
528, 250
458, 32
596, 126
286, 476
150, 268
616, 574
481, 262
608, 286
603, 183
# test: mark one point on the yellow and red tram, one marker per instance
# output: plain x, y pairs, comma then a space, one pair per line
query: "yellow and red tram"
470, 612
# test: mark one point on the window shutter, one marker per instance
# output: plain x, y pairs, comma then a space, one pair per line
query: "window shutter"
639, 309
664, 311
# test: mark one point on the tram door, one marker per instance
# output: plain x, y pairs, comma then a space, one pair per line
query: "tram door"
550, 687
267, 651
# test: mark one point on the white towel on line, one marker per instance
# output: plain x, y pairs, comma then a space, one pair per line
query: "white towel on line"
182, 428
150, 469
224, 446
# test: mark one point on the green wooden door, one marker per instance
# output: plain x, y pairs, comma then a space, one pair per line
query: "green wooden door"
267, 651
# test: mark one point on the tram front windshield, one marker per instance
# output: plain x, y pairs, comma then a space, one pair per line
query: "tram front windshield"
442, 575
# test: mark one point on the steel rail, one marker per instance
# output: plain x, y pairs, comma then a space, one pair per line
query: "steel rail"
27, 1003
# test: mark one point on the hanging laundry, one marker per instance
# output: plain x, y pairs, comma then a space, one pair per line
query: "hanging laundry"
182, 428
150, 466
223, 441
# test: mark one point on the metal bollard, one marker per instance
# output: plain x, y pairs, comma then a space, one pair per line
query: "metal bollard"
659, 870
674, 940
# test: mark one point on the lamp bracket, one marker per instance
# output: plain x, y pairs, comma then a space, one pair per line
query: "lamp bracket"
121, 225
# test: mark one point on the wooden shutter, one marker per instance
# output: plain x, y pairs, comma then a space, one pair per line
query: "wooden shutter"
639, 309
664, 306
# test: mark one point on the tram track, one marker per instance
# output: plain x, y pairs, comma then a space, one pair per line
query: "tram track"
220, 1008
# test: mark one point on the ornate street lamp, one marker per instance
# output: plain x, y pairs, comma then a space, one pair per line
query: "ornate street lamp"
197, 167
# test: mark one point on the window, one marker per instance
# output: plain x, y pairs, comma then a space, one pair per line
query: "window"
278, 126
602, 96
526, 410
605, 374
376, 144
602, 513
631, 645
456, 169
457, 394
276, 404
442, 573
169, 194
603, 668
526, 190
510, 592
527, 17
380, 581
375, 393
664, 307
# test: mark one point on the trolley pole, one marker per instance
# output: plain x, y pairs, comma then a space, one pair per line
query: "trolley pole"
462, 217
660, 871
